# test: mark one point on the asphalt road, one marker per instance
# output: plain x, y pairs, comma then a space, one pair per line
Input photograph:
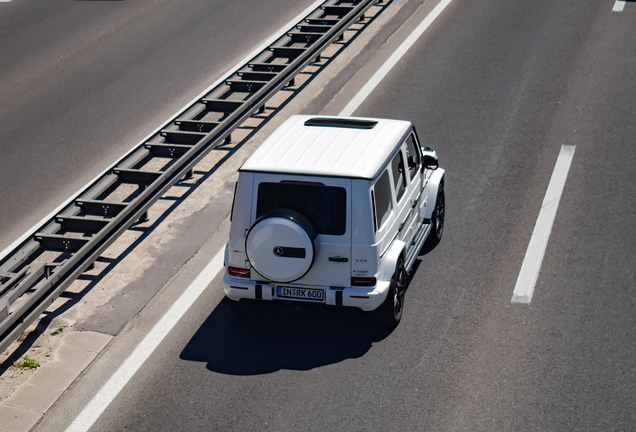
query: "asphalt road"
497, 87
82, 82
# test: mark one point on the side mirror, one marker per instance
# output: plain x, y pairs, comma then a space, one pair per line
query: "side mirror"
430, 162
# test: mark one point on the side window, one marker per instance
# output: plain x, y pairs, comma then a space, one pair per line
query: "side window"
381, 197
412, 156
399, 177
233, 201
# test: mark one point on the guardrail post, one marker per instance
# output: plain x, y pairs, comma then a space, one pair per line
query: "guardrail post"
189, 174
144, 216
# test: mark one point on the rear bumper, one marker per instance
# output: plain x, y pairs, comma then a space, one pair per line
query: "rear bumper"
365, 298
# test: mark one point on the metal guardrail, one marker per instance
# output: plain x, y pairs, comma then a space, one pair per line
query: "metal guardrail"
39, 269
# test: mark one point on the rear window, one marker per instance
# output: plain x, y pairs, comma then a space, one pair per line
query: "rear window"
324, 206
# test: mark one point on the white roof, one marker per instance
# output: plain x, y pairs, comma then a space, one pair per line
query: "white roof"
349, 151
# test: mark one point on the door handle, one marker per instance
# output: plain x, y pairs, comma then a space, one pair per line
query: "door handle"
339, 259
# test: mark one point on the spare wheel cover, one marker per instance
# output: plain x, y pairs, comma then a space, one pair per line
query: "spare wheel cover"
280, 245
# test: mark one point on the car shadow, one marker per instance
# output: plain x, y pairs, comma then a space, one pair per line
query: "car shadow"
281, 335
428, 246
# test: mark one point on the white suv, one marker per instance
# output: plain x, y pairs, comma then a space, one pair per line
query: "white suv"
334, 210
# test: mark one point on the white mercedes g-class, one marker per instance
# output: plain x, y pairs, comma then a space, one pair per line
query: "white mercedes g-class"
334, 210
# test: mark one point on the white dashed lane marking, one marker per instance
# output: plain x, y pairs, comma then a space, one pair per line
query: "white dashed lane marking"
618, 6
539, 241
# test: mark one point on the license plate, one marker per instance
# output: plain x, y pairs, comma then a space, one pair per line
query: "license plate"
301, 293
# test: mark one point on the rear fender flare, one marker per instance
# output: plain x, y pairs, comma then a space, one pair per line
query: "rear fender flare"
391, 259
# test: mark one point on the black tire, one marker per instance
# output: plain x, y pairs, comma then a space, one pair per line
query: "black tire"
391, 310
437, 221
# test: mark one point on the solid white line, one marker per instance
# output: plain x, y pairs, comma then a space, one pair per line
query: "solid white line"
120, 378
142, 352
366, 90
618, 6
539, 241
233, 69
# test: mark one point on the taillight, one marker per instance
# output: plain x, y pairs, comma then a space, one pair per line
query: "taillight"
239, 272
363, 281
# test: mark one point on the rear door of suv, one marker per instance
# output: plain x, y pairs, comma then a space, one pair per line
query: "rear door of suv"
326, 202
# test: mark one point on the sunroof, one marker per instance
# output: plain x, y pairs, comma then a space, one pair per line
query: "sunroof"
341, 123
